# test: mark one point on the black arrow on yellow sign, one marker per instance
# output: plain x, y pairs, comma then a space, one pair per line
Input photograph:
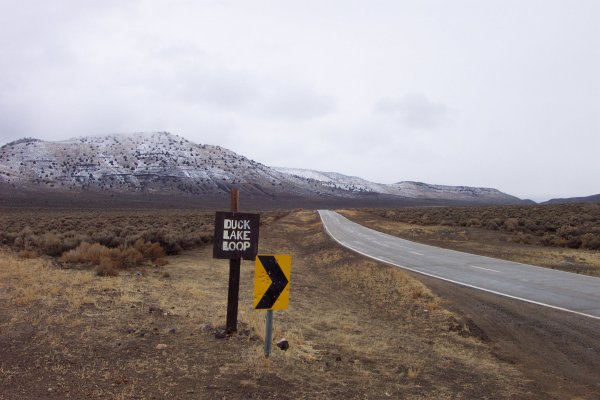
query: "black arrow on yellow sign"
278, 282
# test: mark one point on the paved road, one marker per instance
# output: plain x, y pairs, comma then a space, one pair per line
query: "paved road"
557, 289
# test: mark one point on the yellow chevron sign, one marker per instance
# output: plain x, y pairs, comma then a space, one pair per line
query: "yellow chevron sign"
272, 281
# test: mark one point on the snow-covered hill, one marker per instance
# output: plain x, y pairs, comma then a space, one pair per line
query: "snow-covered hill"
142, 162
408, 189
160, 162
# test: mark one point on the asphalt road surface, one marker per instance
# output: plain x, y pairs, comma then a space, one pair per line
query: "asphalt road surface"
565, 291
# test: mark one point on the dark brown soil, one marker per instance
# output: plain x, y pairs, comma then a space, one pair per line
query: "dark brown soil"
558, 351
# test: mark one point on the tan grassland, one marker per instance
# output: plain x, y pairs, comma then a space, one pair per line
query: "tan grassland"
357, 330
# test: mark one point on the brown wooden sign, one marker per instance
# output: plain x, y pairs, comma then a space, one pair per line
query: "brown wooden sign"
236, 235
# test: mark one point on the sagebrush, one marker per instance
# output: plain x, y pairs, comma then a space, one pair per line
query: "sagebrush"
566, 225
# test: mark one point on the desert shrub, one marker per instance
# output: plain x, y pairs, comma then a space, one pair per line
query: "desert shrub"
106, 238
529, 225
558, 241
128, 257
107, 267
424, 219
50, 244
150, 251
567, 231
25, 239
106, 259
127, 232
153, 235
28, 254
7, 238
87, 253
207, 239
71, 240
568, 236
522, 238
160, 262
170, 244
511, 224
548, 239
173, 230
590, 241
565, 225
493, 224
474, 222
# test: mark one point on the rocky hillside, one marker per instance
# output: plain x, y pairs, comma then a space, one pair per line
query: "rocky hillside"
163, 163
141, 162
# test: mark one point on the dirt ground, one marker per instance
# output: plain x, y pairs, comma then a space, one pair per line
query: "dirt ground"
558, 351
357, 330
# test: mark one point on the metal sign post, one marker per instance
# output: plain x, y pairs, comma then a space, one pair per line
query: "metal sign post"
268, 333
272, 276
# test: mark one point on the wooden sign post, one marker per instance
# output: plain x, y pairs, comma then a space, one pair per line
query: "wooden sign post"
236, 237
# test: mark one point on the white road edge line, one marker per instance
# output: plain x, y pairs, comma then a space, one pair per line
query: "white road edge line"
487, 269
558, 271
453, 281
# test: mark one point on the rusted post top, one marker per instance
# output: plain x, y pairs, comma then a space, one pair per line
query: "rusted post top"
235, 200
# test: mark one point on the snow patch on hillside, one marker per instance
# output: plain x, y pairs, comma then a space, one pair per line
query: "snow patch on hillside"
161, 161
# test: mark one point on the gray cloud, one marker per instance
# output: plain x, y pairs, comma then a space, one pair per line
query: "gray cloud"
296, 103
415, 111
322, 85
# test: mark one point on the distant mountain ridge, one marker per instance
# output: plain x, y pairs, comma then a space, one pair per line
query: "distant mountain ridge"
167, 164
587, 199
410, 189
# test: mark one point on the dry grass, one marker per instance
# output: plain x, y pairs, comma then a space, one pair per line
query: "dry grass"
357, 330
109, 261
375, 340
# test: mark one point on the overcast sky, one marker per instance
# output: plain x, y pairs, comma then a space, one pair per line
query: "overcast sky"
502, 94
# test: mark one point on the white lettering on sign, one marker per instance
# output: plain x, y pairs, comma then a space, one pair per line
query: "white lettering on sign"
236, 235
236, 224
233, 246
